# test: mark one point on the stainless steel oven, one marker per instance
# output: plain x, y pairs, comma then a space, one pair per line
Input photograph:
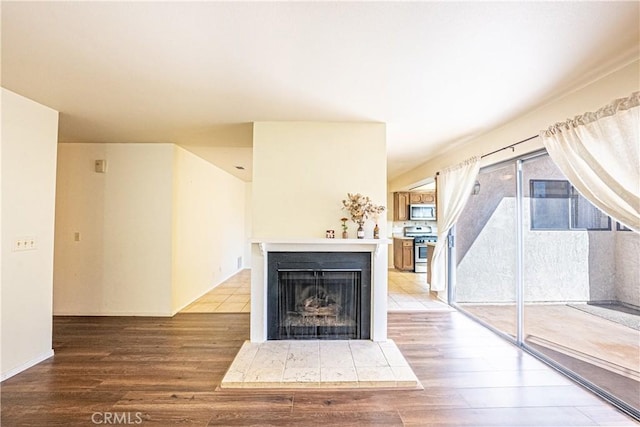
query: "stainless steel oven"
421, 236
420, 254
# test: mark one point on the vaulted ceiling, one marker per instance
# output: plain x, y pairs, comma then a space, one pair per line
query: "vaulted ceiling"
198, 73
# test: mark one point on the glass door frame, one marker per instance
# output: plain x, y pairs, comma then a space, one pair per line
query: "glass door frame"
519, 291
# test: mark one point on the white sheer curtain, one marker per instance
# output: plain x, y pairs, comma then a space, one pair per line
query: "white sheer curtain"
454, 186
599, 154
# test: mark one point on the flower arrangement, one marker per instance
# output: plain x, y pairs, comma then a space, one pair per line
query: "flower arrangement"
360, 208
345, 227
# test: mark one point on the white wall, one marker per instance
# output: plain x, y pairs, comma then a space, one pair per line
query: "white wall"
160, 228
28, 176
303, 170
617, 84
122, 263
248, 223
301, 173
208, 228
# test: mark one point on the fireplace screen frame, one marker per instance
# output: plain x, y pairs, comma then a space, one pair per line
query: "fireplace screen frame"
315, 264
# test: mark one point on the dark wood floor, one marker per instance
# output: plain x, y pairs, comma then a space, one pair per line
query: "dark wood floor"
166, 371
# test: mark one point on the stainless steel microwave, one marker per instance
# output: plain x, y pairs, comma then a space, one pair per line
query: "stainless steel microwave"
422, 212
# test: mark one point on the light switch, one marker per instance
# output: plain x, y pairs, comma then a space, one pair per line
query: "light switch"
100, 166
25, 243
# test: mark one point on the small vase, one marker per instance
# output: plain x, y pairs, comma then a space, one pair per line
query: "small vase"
345, 234
360, 232
376, 232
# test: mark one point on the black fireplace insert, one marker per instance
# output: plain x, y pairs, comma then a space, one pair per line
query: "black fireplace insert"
319, 295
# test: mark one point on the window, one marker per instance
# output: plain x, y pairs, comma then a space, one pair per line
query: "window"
585, 216
622, 227
550, 204
557, 205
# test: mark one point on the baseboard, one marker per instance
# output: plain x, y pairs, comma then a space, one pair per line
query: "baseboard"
142, 314
27, 365
111, 314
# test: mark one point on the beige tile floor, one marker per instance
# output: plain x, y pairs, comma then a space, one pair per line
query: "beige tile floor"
320, 364
231, 296
407, 292
410, 292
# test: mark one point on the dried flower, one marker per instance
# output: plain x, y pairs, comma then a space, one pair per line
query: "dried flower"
344, 223
360, 207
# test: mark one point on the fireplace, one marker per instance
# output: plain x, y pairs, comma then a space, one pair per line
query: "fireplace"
319, 295
319, 255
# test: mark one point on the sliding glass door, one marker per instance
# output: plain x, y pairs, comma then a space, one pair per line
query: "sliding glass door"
581, 283
539, 263
485, 245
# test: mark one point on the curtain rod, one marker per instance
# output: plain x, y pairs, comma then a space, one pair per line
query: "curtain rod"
505, 148
509, 146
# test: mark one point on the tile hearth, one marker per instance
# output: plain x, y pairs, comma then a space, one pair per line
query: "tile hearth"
320, 364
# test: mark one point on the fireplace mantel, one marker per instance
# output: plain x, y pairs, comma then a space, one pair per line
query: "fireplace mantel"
260, 253
320, 245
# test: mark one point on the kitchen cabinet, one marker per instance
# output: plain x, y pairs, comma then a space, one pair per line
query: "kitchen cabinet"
426, 197
402, 200
401, 206
403, 254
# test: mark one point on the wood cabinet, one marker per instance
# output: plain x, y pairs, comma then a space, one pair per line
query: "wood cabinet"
427, 197
403, 254
401, 206
402, 200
